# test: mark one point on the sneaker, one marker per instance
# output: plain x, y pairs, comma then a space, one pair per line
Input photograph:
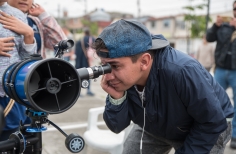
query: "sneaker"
233, 143
90, 93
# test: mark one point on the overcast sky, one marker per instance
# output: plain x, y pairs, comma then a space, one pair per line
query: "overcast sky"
154, 8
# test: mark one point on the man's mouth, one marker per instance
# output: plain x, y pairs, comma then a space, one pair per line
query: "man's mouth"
23, 4
114, 84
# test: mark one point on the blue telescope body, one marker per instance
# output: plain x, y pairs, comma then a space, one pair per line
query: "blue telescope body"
50, 85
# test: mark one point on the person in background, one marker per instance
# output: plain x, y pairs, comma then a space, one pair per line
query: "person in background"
83, 56
205, 54
16, 43
173, 101
223, 32
47, 31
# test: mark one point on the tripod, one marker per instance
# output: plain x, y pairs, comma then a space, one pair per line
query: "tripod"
29, 138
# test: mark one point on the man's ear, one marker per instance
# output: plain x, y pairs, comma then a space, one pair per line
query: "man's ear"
146, 61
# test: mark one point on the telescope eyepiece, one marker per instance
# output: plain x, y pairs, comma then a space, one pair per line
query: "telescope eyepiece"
64, 44
94, 72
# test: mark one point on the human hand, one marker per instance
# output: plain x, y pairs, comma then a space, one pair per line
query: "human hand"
111, 90
233, 22
14, 24
6, 44
219, 21
18, 26
36, 10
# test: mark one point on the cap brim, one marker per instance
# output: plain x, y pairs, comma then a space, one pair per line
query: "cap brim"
158, 44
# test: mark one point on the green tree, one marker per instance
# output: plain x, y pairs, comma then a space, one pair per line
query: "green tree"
196, 24
93, 26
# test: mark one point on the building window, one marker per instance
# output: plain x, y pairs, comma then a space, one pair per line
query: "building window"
153, 24
180, 24
74, 20
166, 23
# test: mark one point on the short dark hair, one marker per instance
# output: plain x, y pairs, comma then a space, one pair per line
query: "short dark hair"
86, 31
99, 44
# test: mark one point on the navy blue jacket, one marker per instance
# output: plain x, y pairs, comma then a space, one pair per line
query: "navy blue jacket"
183, 102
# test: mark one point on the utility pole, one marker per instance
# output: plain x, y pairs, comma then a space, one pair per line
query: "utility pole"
139, 10
59, 13
208, 14
85, 7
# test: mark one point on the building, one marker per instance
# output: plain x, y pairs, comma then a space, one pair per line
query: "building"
175, 30
172, 27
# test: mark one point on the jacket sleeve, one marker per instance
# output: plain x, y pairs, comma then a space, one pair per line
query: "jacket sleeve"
116, 117
207, 103
25, 50
211, 34
52, 31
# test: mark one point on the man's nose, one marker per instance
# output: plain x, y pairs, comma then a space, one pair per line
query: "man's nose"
110, 76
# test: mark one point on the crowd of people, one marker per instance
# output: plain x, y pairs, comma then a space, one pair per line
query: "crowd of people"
172, 99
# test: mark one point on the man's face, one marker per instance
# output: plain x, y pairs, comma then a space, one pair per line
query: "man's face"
124, 73
234, 10
2, 1
23, 5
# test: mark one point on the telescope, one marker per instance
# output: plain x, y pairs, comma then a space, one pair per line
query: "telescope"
45, 86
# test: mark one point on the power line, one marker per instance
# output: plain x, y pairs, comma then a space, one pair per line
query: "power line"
207, 16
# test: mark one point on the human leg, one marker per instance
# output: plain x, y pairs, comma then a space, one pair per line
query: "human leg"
89, 92
221, 77
219, 146
151, 144
231, 76
66, 58
232, 83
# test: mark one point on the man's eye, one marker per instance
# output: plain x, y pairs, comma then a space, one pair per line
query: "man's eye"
114, 66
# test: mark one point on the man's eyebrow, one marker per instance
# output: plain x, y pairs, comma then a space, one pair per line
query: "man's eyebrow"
113, 62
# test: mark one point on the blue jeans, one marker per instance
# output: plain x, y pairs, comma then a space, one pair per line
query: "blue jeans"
227, 78
67, 58
157, 144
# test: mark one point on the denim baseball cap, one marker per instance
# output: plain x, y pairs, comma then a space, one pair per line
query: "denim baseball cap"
126, 38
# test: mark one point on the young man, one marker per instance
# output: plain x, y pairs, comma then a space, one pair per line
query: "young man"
223, 32
16, 43
47, 31
170, 97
